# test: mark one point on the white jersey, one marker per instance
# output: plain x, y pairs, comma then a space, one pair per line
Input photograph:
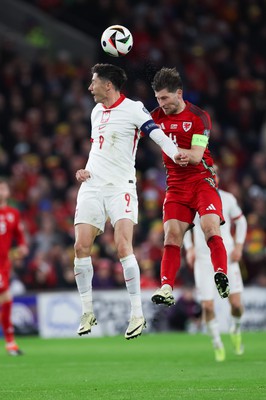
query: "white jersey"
110, 191
231, 211
115, 135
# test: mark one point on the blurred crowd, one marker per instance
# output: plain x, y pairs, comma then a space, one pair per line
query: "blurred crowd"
218, 47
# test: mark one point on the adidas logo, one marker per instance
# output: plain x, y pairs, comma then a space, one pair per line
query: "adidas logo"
211, 207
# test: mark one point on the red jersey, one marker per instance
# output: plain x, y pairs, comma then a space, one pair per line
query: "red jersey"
10, 231
181, 128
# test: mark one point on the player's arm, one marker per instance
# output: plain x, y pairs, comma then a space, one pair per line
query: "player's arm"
240, 236
194, 154
199, 143
150, 129
21, 249
190, 249
240, 222
200, 138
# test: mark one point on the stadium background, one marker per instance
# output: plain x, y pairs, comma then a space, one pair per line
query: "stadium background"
47, 48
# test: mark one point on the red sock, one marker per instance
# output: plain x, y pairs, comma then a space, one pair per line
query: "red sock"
170, 264
7, 326
218, 254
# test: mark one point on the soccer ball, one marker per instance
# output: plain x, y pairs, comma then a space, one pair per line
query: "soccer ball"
116, 41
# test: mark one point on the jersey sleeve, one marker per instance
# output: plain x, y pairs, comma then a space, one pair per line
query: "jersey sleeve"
239, 219
142, 117
202, 130
202, 123
235, 210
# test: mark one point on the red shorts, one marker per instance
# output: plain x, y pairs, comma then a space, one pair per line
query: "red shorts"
4, 276
182, 202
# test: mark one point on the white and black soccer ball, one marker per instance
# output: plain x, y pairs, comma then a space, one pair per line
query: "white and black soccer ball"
116, 41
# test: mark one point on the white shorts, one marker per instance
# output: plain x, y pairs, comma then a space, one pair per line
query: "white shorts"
204, 278
96, 205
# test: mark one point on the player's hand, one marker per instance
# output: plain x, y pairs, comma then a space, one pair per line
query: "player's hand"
82, 175
236, 254
190, 257
19, 252
182, 159
23, 250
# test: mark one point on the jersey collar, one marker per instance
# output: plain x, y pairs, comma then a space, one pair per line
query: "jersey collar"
118, 101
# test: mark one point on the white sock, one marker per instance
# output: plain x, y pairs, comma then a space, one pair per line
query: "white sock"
132, 280
213, 330
83, 271
166, 286
236, 324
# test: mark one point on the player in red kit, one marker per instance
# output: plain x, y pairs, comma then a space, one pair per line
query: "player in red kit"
10, 231
191, 187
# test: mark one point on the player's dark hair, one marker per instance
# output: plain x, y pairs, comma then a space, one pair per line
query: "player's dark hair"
112, 73
167, 78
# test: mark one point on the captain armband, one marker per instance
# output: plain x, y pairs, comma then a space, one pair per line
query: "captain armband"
199, 140
148, 127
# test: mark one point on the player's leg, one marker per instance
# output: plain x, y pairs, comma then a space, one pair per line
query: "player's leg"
213, 329
123, 239
6, 322
237, 309
122, 208
209, 206
210, 224
203, 274
83, 271
235, 330
177, 219
89, 221
174, 232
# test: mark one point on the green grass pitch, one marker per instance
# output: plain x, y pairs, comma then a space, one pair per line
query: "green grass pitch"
158, 366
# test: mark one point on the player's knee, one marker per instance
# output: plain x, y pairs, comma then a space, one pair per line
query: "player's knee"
211, 231
172, 239
237, 309
124, 249
208, 308
81, 250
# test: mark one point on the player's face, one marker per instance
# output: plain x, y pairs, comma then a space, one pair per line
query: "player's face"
4, 192
169, 101
98, 88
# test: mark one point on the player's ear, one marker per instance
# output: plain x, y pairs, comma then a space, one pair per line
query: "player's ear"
109, 85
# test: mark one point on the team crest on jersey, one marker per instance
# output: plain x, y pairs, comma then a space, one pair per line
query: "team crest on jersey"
187, 126
105, 116
10, 217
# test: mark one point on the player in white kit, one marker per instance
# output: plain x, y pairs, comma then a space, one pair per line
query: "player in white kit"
108, 188
197, 254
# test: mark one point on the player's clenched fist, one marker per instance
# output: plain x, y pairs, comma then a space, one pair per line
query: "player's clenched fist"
182, 159
82, 175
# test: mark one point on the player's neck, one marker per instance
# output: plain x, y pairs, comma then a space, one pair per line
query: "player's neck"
181, 106
111, 99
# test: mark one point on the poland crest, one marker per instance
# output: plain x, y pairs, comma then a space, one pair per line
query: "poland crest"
187, 126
